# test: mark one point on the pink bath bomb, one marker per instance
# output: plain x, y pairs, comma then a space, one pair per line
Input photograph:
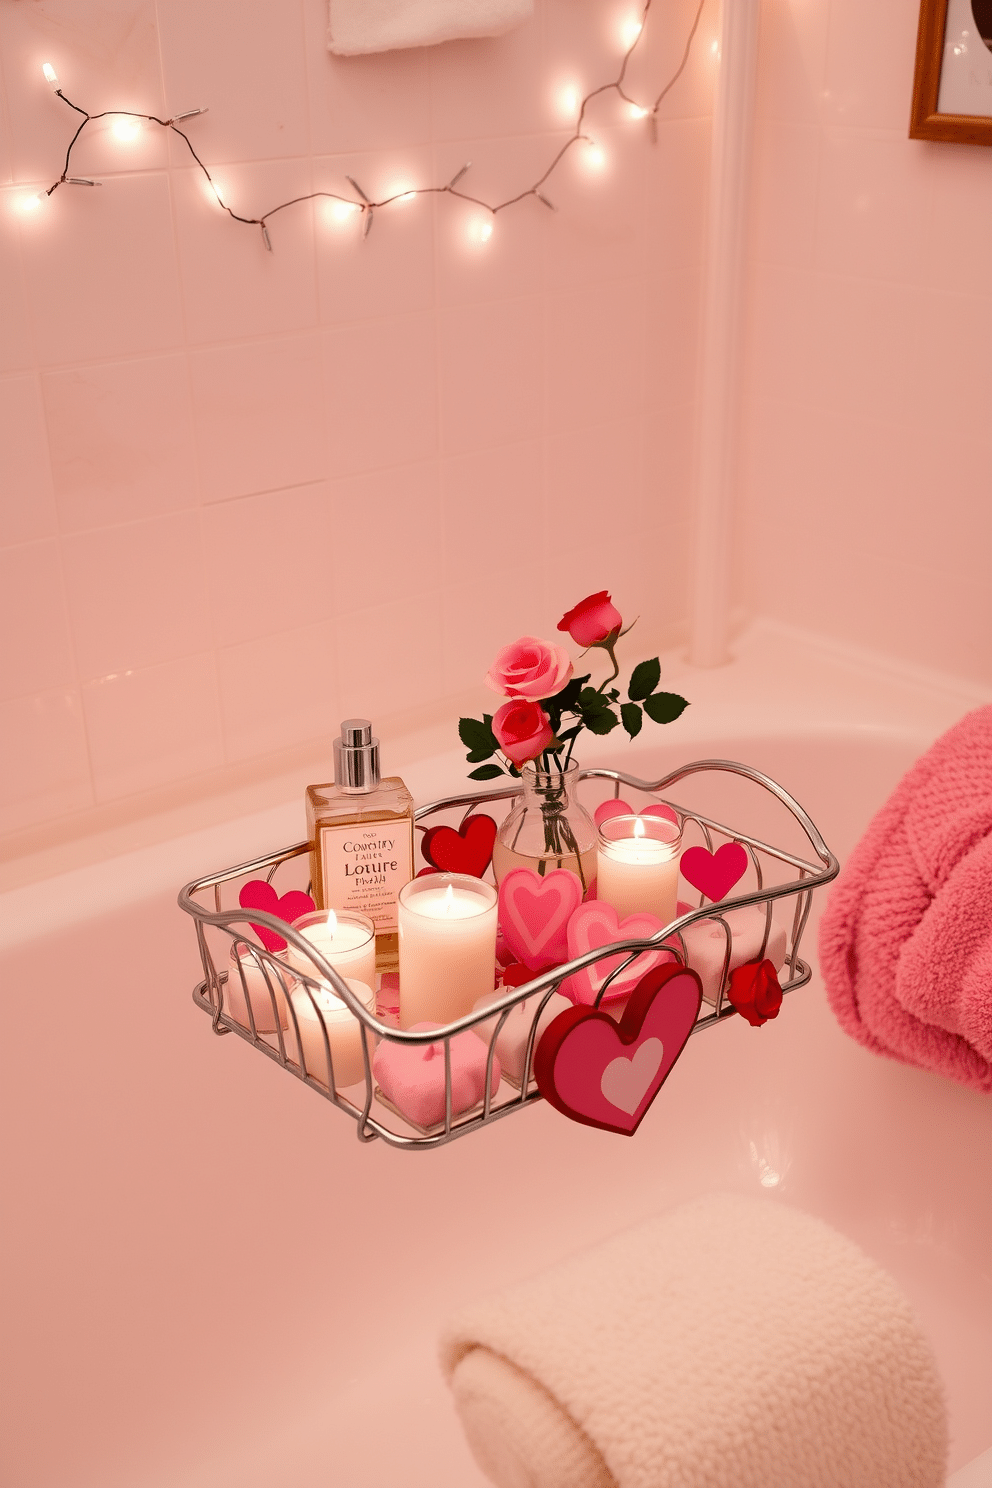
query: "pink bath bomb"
412, 1075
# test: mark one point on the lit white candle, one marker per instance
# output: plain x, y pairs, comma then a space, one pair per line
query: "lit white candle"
344, 939
318, 1006
447, 936
637, 869
252, 977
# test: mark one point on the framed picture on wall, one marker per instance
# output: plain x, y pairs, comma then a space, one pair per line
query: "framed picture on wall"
952, 89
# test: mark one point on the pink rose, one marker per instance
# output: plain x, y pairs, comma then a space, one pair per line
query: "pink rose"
522, 729
592, 621
530, 669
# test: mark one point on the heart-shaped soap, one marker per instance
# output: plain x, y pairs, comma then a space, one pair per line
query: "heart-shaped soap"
257, 894
412, 1075
714, 874
605, 1073
534, 913
596, 924
618, 807
467, 850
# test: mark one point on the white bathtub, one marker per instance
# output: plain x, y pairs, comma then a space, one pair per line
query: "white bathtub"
213, 1284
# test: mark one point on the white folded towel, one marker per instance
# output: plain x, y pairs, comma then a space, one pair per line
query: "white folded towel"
383, 25
735, 1343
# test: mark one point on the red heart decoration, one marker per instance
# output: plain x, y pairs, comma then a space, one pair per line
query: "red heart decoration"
469, 850
257, 894
596, 924
534, 913
606, 1074
714, 874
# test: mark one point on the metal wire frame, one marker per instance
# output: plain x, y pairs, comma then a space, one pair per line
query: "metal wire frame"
209, 994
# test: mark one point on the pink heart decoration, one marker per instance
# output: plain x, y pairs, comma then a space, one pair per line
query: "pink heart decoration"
606, 1074
714, 874
606, 809
534, 913
596, 924
257, 894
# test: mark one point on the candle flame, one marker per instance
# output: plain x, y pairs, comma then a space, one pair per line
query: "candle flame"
332, 923
448, 901
638, 828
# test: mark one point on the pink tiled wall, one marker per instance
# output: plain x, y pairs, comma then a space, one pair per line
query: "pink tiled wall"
245, 494
868, 445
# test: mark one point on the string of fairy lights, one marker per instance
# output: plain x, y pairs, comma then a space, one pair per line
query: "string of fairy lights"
129, 122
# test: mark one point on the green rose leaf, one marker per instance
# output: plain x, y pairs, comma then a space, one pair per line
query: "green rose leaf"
632, 718
643, 681
485, 772
601, 723
665, 707
478, 737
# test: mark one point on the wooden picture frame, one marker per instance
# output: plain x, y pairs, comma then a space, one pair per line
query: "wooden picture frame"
926, 121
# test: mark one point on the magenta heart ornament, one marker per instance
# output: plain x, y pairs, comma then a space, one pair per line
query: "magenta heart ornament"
595, 924
714, 874
257, 894
605, 1073
534, 913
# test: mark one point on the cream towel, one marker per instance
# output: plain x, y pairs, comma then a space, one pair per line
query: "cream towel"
383, 25
735, 1343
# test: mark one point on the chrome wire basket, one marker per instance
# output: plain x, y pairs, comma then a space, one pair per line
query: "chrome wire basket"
780, 880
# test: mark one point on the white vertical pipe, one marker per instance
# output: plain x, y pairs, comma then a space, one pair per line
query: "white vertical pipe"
719, 384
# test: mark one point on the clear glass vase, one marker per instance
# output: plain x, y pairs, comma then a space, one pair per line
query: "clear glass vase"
548, 827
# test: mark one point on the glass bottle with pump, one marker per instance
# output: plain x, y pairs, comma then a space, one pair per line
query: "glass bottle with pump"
361, 836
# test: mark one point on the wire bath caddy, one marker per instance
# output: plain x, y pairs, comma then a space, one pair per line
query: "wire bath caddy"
777, 879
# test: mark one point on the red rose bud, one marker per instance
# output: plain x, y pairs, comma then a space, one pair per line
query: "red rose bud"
522, 730
593, 621
755, 992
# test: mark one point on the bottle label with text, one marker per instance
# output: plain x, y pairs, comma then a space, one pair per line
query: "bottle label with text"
364, 867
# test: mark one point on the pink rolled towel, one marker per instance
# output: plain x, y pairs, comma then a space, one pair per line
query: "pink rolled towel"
906, 940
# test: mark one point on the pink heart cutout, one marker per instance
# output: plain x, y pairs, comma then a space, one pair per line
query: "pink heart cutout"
534, 913
606, 1074
607, 809
257, 894
714, 874
596, 924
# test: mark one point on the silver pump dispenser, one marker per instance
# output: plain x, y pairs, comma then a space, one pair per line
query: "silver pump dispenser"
356, 757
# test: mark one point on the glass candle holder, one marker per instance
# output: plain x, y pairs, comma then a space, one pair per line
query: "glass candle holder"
318, 1009
637, 867
343, 937
447, 930
246, 974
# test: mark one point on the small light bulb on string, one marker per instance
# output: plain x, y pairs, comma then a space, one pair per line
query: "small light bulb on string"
714, 49
569, 101
629, 33
126, 130
595, 156
30, 204
51, 76
637, 112
480, 230
343, 211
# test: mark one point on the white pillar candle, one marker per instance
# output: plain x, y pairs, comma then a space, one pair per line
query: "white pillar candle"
343, 938
637, 868
447, 933
320, 1005
252, 977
